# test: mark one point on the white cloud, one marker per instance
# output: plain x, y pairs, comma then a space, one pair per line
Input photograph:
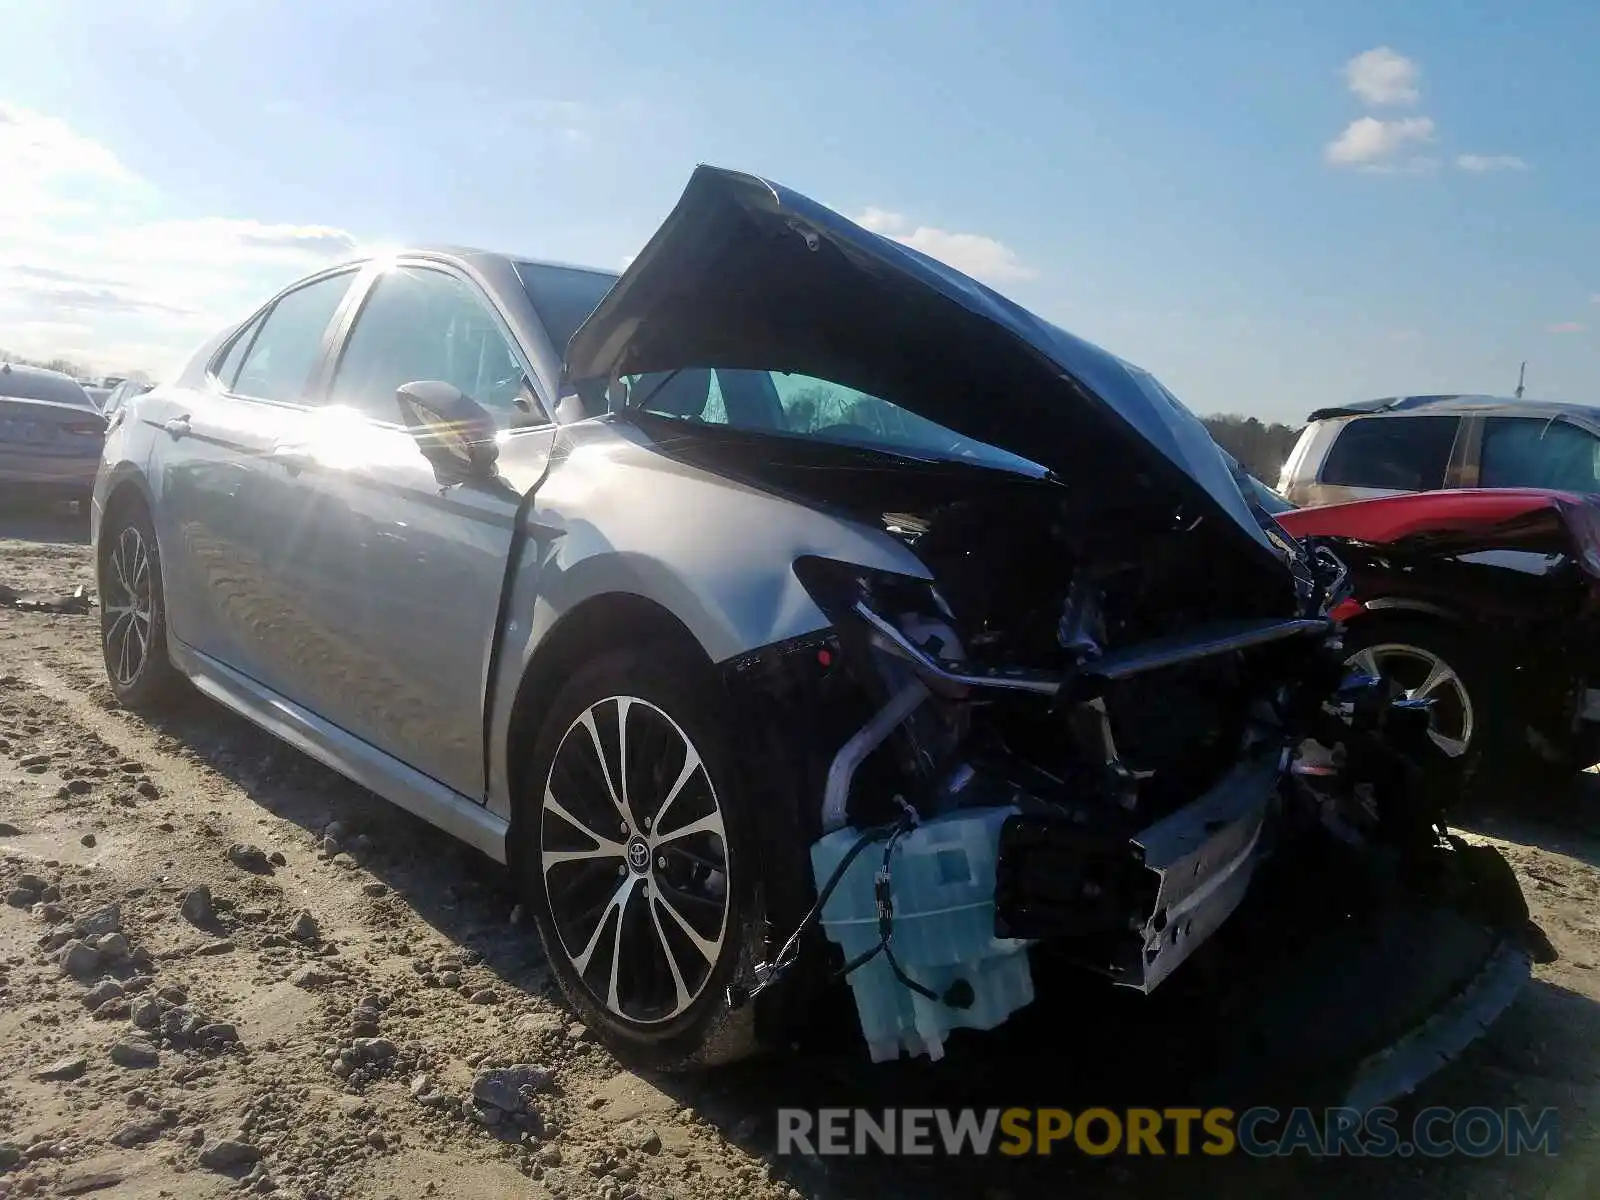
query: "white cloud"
1490, 162
1381, 76
1594, 297
38, 147
1369, 143
979, 256
1568, 327
92, 269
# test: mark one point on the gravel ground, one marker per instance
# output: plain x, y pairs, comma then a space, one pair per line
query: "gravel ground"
223, 969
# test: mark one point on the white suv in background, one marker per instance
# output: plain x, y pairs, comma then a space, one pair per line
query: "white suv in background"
1424, 443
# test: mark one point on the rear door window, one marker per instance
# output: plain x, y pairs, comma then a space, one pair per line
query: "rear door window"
1404, 454
1539, 452
279, 362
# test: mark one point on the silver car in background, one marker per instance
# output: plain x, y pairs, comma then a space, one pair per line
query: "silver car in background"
50, 435
790, 584
119, 394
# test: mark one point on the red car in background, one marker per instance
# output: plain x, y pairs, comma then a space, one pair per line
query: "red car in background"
1486, 602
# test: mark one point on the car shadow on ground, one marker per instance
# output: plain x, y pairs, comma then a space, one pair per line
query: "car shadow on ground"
1057, 1054
464, 896
54, 525
1543, 1054
1563, 819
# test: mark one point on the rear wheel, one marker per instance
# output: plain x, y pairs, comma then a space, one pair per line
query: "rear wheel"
635, 856
133, 620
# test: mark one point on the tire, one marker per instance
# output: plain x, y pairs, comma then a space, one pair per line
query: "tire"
1470, 721
689, 900
133, 614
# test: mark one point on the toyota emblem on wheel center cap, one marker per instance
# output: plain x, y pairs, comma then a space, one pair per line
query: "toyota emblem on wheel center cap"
639, 855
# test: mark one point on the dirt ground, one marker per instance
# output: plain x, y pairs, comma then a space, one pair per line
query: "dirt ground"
317, 1021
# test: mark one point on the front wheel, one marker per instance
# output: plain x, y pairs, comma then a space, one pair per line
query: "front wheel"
133, 618
635, 856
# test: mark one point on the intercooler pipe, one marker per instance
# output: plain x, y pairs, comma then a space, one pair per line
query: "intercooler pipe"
1204, 641
1017, 681
836, 795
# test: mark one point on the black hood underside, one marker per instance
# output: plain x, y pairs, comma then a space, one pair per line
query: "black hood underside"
745, 274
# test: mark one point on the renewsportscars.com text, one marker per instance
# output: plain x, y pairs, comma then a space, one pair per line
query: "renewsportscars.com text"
1262, 1132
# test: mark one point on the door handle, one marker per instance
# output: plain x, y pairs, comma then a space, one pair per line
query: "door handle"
292, 459
178, 427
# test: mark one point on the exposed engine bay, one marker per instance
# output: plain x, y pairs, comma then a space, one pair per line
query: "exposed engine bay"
1074, 730
1090, 745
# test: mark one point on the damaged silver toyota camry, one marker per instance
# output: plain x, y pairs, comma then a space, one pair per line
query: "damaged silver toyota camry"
791, 609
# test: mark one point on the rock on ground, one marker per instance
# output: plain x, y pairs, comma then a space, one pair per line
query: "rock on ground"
227, 1153
248, 857
505, 1087
130, 1052
197, 907
63, 1069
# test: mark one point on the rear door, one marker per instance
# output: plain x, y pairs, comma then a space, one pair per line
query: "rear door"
222, 484
398, 574
1386, 456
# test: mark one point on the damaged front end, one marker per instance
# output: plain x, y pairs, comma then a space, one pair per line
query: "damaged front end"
1117, 789
1107, 796
1075, 733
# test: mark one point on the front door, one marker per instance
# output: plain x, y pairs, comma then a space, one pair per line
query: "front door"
398, 574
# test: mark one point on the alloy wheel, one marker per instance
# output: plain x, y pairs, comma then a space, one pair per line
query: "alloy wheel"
634, 856
1423, 675
129, 605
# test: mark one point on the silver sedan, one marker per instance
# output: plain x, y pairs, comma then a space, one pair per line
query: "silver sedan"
790, 583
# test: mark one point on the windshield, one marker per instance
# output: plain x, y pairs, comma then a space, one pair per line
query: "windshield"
1253, 488
563, 297
1267, 498
794, 405
27, 383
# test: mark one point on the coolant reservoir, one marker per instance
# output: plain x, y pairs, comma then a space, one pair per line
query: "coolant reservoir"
941, 880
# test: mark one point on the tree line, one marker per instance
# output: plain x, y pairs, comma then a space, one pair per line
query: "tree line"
66, 366
1260, 447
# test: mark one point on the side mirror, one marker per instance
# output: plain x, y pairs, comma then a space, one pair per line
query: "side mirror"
454, 432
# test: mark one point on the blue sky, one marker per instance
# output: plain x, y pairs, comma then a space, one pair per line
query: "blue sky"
1272, 206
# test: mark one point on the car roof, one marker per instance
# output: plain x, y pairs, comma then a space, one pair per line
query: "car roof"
1459, 405
477, 253
21, 382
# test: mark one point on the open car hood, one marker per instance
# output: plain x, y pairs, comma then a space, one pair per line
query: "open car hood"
747, 274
